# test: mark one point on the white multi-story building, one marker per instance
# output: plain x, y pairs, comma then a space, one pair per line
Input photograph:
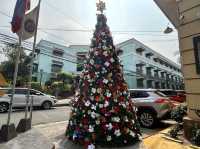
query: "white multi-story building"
143, 67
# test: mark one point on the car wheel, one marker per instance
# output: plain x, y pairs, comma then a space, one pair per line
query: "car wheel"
147, 119
47, 105
4, 107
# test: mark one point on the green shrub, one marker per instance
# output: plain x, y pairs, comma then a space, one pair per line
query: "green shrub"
36, 86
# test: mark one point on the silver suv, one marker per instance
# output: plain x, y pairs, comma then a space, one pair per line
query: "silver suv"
39, 99
152, 106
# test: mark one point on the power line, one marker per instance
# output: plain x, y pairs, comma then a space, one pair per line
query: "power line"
64, 14
114, 31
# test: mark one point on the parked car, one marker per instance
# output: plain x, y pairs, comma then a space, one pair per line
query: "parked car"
152, 106
39, 99
174, 95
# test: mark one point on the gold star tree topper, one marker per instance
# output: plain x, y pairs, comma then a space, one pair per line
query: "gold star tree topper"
101, 6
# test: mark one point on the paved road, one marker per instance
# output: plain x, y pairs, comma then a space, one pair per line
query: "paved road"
39, 116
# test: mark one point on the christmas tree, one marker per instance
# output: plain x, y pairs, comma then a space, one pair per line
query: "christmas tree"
102, 113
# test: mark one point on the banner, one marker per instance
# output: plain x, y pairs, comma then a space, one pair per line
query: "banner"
29, 25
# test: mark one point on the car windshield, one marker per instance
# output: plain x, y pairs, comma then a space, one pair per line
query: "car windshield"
169, 93
160, 94
139, 94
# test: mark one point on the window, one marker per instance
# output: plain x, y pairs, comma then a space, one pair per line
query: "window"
140, 83
148, 55
162, 75
160, 94
155, 59
139, 94
21, 91
139, 51
169, 93
149, 84
32, 92
148, 70
139, 69
156, 74
58, 52
35, 68
81, 56
56, 66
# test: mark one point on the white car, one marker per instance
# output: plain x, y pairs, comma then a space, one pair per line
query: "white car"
39, 99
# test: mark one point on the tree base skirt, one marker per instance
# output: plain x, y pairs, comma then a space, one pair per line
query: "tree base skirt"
115, 143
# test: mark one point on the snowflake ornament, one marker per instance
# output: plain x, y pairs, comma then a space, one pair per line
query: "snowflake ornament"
74, 136
91, 146
109, 126
116, 119
91, 129
108, 94
103, 33
96, 53
105, 81
117, 133
87, 104
132, 133
99, 90
100, 105
105, 53
107, 64
93, 107
94, 90
106, 104
112, 60
97, 122
93, 115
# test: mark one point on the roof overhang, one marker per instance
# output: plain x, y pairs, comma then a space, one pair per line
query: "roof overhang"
170, 9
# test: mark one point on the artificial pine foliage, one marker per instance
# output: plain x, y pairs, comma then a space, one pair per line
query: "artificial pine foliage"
174, 131
102, 113
178, 113
196, 135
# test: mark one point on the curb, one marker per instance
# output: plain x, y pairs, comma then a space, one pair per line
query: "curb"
61, 105
50, 124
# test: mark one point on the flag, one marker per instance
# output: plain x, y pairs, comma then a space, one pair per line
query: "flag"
20, 8
29, 24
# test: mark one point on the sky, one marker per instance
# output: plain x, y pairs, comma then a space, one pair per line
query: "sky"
139, 19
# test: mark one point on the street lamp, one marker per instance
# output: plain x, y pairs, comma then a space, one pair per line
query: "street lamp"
168, 30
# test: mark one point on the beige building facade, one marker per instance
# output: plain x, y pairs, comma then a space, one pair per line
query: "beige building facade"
189, 31
185, 15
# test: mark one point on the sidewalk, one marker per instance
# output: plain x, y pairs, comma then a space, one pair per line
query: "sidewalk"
39, 137
46, 136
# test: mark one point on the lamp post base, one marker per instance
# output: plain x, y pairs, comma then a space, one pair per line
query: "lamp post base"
24, 125
7, 132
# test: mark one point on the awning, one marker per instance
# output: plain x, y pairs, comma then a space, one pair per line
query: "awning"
170, 9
